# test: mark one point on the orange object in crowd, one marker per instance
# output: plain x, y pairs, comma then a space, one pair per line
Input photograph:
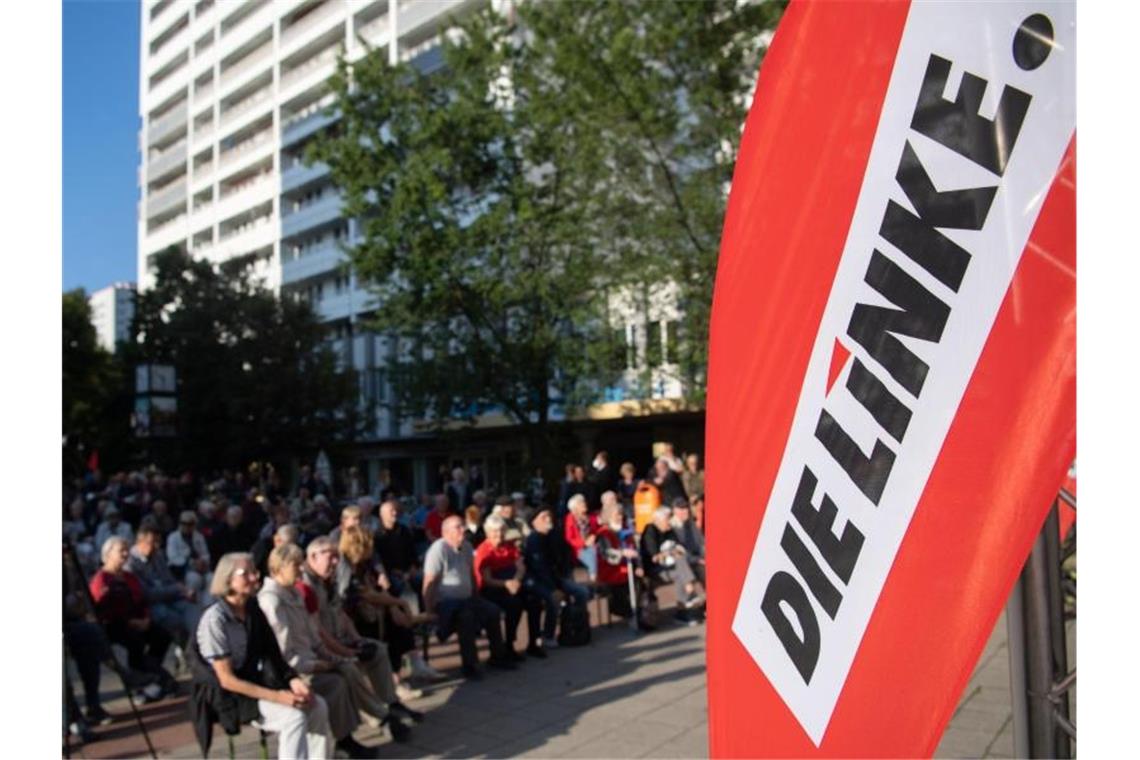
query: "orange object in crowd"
646, 498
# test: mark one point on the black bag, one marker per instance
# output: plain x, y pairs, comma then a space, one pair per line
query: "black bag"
619, 601
574, 626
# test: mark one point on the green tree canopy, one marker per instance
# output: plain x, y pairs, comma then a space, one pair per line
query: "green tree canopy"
92, 389
256, 379
564, 152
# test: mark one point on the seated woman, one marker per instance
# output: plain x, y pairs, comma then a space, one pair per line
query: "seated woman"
499, 573
120, 605
239, 672
580, 529
336, 679
363, 585
666, 561
614, 554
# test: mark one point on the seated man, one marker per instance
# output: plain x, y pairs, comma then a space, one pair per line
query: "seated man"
666, 561
547, 578
340, 638
690, 537
172, 604
449, 593
334, 678
188, 556
112, 525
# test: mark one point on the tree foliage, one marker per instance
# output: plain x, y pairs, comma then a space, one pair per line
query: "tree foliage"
257, 380
94, 418
566, 151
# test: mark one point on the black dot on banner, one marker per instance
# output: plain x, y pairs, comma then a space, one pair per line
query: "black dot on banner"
1033, 41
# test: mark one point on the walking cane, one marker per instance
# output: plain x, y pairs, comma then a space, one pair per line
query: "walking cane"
632, 589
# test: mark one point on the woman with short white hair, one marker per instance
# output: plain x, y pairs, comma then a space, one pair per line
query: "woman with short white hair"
499, 573
236, 651
122, 609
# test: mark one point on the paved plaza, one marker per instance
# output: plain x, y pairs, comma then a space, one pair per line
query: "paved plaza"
622, 696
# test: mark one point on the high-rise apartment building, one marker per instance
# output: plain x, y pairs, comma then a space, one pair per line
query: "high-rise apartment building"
230, 94
112, 309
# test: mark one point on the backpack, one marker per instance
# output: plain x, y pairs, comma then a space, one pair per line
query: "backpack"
574, 626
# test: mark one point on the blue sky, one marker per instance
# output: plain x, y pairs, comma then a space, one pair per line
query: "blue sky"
100, 141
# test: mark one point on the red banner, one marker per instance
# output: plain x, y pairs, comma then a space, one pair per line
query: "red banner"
892, 366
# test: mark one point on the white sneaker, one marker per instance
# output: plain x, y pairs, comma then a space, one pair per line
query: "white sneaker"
696, 600
550, 643
406, 693
421, 670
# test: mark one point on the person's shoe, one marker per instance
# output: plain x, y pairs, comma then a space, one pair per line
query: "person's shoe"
406, 693
403, 711
422, 671
99, 717
81, 731
472, 673
134, 679
534, 650
502, 663
514, 656
400, 731
551, 643
682, 616
696, 600
150, 693
353, 748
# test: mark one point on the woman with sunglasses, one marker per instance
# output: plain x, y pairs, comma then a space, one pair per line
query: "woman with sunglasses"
240, 674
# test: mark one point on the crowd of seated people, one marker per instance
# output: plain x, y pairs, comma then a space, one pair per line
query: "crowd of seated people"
308, 617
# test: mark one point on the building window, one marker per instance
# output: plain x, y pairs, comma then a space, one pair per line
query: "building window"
654, 342
672, 346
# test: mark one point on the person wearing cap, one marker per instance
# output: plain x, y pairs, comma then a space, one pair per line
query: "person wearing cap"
547, 579
690, 537
188, 555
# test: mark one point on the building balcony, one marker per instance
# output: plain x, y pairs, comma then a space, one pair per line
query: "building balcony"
376, 31
171, 233
247, 108
250, 26
166, 200
334, 307
298, 174
165, 163
414, 13
246, 69
247, 152
257, 234
167, 125
299, 127
313, 25
203, 135
250, 195
312, 72
316, 261
325, 209
166, 90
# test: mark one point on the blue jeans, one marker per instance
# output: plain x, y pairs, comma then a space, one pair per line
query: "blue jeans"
588, 556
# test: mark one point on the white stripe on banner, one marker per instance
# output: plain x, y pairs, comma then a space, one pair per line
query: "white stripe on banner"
978, 115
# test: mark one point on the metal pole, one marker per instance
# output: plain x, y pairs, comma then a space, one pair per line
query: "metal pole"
1039, 652
1015, 638
1052, 534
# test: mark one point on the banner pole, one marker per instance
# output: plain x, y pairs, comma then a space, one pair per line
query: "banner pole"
1039, 651
1015, 637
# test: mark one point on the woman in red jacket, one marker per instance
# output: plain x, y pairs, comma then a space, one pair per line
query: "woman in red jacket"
580, 531
122, 610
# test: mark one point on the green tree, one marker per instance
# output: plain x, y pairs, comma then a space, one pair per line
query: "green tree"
565, 153
94, 418
257, 380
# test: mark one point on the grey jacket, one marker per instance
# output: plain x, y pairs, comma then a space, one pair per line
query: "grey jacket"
158, 584
292, 625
